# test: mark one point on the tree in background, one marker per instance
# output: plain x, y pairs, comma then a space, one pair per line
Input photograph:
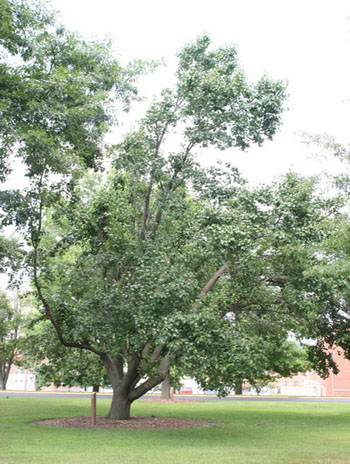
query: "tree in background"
57, 95
332, 329
279, 359
12, 319
284, 360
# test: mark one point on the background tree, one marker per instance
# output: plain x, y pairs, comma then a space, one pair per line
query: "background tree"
11, 321
332, 329
57, 92
171, 384
283, 359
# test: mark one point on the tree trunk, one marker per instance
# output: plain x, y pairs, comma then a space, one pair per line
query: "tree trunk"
239, 388
95, 388
2, 383
166, 393
4, 375
122, 385
125, 384
120, 406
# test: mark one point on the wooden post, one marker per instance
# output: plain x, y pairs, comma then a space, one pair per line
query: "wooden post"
93, 409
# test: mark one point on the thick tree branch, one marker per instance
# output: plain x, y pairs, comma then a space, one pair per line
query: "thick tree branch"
145, 350
170, 187
156, 353
132, 372
209, 285
154, 380
164, 364
114, 374
146, 386
119, 364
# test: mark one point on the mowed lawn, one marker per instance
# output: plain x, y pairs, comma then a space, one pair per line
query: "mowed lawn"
246, 432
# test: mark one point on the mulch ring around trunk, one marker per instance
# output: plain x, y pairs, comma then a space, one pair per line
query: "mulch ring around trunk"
152, 422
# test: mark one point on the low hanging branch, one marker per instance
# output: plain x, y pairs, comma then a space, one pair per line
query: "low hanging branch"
48, 312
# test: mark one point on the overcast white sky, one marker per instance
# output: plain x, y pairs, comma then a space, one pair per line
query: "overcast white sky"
305, 42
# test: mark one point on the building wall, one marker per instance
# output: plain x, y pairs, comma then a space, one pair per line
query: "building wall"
308, 384
21, 379
339, 385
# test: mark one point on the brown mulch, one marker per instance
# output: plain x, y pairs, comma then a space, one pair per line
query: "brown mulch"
175, 400
134, 422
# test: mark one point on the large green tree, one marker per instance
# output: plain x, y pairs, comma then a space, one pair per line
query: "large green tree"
215, 290
124, 269
163, 262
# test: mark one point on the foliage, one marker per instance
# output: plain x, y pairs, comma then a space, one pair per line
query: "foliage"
56, 95
332, 329
325, 146
11, 256
54, 363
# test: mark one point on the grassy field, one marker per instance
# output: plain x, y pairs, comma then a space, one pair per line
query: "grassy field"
246, 432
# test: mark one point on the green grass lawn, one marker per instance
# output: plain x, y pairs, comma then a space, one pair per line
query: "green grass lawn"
246, 432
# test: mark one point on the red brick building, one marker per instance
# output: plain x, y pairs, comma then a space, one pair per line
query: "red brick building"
311, 384
339, 385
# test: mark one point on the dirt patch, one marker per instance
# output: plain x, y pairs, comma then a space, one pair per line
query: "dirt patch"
134, 422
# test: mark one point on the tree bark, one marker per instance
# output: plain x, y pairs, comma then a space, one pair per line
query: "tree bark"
120, 406
125, 384
4, 374
2, 383
122, 385
166, 393
239, 388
